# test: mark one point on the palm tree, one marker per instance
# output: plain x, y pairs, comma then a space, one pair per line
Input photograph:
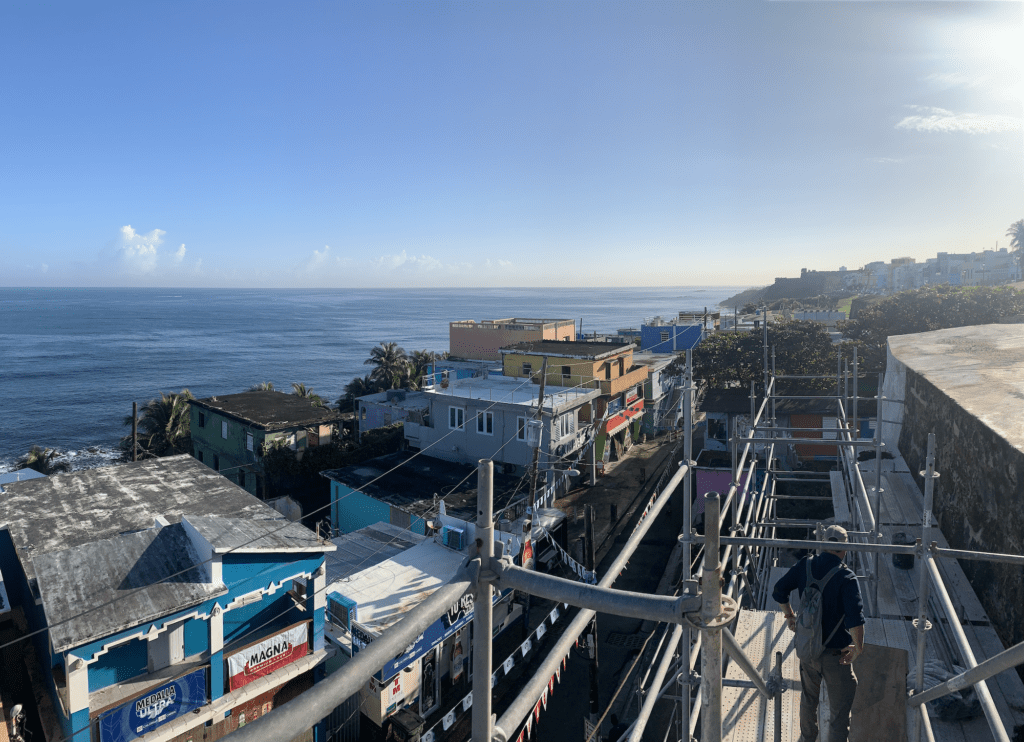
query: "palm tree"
1016, 235
391, 363
163, 428
358, 387
41, 460
419, 364
305, 392
263, 386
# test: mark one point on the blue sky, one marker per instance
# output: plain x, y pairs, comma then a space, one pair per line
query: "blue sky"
501, 143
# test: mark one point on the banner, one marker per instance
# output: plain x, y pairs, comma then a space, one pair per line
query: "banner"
154, 708
267, 656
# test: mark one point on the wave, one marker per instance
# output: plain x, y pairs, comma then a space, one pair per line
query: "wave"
92, 457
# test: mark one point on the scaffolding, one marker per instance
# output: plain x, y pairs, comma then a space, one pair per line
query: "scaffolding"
720, 573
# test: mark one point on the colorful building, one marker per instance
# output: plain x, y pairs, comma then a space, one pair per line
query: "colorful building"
231, 432
605, 366
484, 340
171, 605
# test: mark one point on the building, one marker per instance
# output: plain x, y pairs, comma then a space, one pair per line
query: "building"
484, 340
964, 385
231, 432
582, 365
405, 489
663, 393
385, 408
171, 605
487, 418
658, 336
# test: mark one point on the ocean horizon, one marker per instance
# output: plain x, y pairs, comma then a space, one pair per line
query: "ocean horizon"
74, 359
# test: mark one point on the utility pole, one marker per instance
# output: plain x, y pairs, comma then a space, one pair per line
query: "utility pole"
540, 434
590, 563
135, 430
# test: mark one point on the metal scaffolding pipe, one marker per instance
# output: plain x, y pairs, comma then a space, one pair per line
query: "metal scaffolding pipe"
923, 585
659, 678
483, 619
798, 544
987, 704
1005, 660
735, 651
317, 702
982, 556
526, 699
812, 441
659, 608
711, 654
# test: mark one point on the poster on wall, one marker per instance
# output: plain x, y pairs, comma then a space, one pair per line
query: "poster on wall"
267, 656
154, 708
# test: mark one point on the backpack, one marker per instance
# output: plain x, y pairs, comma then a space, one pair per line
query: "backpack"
809, 644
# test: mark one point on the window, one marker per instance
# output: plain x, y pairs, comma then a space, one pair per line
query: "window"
485, 423
568, 423
248, 441
456, 418
216, 462
622, 366
224, 429
521, 428
202, 420
664, 336
608, 370
527, 369
241, 478
566, 371
199, 456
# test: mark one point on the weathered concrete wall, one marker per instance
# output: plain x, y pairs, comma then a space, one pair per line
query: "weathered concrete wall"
979, 501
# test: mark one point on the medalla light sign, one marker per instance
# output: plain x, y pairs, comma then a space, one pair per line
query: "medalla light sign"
155, 708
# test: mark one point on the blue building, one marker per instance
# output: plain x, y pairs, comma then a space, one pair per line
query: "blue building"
163, 601
661, 337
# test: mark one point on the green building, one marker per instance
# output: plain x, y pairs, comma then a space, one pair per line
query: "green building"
231, 432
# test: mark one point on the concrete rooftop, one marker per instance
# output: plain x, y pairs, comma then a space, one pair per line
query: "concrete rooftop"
269, 410
512, 390
981, 368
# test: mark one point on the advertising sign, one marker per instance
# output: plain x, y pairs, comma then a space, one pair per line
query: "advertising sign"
154, 708
267, 656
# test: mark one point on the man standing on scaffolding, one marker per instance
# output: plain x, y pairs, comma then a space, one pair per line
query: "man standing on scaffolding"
842, 628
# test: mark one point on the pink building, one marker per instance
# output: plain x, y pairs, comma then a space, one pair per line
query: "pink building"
483, 340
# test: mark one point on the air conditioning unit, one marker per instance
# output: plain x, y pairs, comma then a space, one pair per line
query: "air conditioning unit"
453, 538
342, 611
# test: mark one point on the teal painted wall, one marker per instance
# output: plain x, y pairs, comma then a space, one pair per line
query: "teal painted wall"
232, 450
120, 663
352, 510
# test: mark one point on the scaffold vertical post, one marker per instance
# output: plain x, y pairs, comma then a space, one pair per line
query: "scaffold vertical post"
684, 711
924, 583
711, 639
856, 420
778, 697
483, 618
876, 506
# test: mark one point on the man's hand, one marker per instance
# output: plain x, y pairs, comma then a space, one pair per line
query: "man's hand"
850, 653
791, 621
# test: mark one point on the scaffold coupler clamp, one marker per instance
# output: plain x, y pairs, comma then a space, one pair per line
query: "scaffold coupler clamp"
729, 610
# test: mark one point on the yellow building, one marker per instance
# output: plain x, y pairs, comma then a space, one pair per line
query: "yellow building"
605, 366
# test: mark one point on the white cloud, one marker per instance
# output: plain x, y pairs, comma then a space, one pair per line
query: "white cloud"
404, 260
180, 254
940, 120
505, 264
138, 252
947, 80
318, 258
888, 160
45, 268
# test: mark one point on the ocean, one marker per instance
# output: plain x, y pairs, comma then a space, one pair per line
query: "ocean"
73, 360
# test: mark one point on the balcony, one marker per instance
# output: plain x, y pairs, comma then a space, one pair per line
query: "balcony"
635, 375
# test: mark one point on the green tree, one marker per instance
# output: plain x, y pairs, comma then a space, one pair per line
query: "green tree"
924, 310
263, 386
419, 366
358, 387
736, 358
1016, 235
301, 390
41, 460
390, 364
163, 428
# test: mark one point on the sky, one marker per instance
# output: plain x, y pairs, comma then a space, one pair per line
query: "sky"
475, 144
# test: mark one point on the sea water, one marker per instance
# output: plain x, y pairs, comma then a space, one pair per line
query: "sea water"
73, 360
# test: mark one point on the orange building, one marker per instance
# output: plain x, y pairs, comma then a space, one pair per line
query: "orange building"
484, 340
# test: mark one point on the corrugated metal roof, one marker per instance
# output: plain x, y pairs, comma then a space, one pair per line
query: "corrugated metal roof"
97, 589
366, 548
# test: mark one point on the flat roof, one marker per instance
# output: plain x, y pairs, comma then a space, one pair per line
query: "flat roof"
514, 391
407, 400
514, 321
269, 410
416, 478
68, 510
569, 348
366, 548
981, 368
386, 591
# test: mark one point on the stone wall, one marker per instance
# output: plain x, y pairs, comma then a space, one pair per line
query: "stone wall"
979, 502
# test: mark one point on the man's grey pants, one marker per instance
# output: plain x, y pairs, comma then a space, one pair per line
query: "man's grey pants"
842, 687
